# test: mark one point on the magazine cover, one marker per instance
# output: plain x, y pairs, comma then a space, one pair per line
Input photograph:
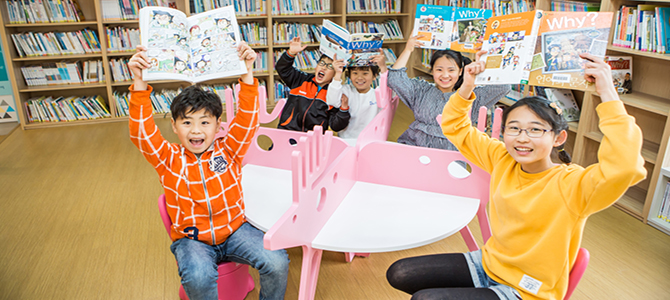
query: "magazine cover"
564, 99
198, 48
356, 49
561, 38
434, 24
509, 42
469, 28
622, 73
450, 27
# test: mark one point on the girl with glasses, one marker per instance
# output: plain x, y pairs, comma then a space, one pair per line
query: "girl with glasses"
538, 209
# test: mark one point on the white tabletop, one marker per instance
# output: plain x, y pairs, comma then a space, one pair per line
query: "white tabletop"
379, 218
267, 194
371, 218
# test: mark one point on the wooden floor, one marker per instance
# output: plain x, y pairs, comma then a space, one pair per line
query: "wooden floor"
79, 220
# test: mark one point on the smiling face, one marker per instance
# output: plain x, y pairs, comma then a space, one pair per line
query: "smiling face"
445, 73
362, 79
533, 154
197, 130
322, 73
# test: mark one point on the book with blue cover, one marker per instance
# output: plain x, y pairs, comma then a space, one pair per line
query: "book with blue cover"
450, 27
356, 49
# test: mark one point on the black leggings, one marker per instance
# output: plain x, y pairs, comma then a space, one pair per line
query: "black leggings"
439, 276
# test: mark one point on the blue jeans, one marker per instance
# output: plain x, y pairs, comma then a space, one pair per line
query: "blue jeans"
481, 280
198, 263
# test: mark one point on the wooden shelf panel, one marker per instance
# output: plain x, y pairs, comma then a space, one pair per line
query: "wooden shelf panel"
638, 52
659, 224
121, 53
246, 18
647, 102
129, 82
28, 25
287, 45
632, 202
363, 15
43, 88
320, 16
649, 148
421, 68
113, 22
59, 57
572, 126
71, 123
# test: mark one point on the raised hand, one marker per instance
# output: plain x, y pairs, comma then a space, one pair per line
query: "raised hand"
345, 102
413, 42
380, 61
248, 55
338, 65
138, 62
469, 73
295, 46
599, 72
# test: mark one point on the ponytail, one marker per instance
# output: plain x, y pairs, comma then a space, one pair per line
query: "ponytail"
563, 155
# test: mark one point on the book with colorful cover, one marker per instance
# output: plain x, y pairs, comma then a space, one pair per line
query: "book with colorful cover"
663, 21
622, 73
356, 49
450, 27
542, 48
198, 48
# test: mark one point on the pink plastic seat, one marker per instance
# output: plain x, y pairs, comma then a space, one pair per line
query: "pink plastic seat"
234, 281
581, 262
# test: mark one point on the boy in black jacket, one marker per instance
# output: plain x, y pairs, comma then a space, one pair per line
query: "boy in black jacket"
306, 104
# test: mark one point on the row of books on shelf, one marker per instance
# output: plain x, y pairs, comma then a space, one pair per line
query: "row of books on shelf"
459, 3
373, 6
160, 101
243, 8
564, 5
282, 33
261, 63
56, 43
562, 97
300, 7
305, 60
120, 70
63, 73
122, 39
644, 27
505, 7
664, 210
43, 11
254, 34
390, 28
66, 109
129, 9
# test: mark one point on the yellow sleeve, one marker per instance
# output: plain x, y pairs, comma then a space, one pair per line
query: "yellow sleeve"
475, 145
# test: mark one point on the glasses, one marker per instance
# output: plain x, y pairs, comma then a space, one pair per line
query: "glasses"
324, 64
533, 132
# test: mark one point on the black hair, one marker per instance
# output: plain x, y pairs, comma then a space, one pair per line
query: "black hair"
460, 60
542, 108
322, 57
194, 98
373, 69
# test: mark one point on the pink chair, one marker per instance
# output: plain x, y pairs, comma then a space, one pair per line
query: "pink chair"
234, 281
581, 262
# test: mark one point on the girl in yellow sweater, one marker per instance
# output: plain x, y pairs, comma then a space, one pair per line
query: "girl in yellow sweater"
538, 209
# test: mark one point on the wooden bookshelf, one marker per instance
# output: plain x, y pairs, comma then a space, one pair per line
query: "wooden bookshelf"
92, 11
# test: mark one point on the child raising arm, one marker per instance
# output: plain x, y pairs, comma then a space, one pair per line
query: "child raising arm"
201, 177
357, 97
538, 209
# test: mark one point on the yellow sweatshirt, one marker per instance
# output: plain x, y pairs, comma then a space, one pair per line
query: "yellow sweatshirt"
537, 220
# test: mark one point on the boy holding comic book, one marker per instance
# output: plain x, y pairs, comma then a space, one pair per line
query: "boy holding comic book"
201, 178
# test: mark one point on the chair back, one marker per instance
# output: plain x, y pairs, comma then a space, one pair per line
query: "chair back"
162, 208
582, 261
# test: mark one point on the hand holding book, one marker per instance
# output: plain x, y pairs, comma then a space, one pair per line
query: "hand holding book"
138, 62
599, 72
470, 72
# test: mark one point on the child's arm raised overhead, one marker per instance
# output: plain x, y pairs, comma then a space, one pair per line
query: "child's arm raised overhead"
409, 90
475, 145
620, 163
245, 124
143, 130
380, 61
284, 66
334, 94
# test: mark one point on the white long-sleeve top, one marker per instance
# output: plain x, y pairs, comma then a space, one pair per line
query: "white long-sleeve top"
362, 107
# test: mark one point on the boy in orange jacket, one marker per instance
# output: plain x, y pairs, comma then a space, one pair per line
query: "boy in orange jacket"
202, 181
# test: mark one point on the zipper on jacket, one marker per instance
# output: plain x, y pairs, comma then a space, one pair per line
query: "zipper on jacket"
209, 205
304, 116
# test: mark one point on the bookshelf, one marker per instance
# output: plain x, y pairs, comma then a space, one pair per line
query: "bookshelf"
93, 13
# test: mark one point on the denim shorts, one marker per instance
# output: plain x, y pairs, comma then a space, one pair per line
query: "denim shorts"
481, 280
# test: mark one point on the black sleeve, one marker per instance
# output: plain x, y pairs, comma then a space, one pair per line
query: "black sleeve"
291, 76
338, 119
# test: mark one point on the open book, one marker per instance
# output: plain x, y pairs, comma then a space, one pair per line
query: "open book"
356, 49
198, 48
450, 27
542, 48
